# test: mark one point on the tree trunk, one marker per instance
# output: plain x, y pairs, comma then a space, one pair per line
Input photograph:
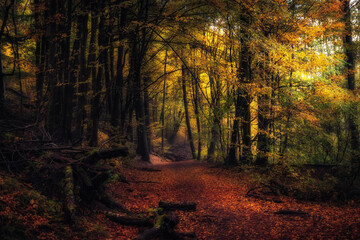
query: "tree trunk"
83, 75
53, 118
135, 76
2, 84
2, 88
119, 81
97, 83
263, 125
231, 158
38, 58
140, 42
215, 89
107, 73
69, 76
92, 70
350, 73
147, 114
162, 117
197, 112
186, 108
244, 73
142, 146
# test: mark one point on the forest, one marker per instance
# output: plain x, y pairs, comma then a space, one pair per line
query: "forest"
179, 119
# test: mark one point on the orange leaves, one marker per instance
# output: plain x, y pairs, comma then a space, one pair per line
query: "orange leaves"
223, 211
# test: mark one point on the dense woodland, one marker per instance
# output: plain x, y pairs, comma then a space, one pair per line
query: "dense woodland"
268, 88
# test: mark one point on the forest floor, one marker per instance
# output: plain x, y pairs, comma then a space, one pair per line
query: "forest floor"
223, 209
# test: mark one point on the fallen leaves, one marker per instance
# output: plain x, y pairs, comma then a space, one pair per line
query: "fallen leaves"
223, 211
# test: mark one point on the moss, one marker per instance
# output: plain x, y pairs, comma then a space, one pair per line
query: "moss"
160, 221
9, 136
94, 151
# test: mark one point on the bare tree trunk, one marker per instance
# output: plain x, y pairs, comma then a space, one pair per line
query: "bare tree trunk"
215, 89
38, 59
53, 118
263, 125
2, 88
162, 116
69, 76
83, 75
244, 103
147, 114
231, 158
187, 117
119, 81
350, 73
2, 29
97, 82
197, 112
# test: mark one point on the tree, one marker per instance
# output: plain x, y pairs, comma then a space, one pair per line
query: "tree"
5, 16
350, 75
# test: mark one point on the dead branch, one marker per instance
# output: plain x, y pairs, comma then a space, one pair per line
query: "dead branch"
290, 212
129, 221
171, 206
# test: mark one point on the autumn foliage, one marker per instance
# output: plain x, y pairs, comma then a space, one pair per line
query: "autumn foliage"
263, 94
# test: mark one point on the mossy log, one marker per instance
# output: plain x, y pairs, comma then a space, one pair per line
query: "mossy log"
95, 155
164, 229
90, 180
162, 224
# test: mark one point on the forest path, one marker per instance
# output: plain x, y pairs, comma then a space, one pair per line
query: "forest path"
223, 211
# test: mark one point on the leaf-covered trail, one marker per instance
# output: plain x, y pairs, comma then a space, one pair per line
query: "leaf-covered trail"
223, 211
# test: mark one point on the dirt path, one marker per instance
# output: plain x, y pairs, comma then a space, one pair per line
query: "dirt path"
223, 211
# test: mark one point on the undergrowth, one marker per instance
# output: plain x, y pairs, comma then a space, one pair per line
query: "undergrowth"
304, 183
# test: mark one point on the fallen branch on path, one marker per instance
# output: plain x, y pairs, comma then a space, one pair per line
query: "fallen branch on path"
171, 206
129, 221
290, 212
161, 221
145, 169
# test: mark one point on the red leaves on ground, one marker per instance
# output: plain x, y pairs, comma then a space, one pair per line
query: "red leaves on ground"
223, 211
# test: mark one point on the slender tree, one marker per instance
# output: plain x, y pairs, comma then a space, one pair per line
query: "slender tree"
350, 75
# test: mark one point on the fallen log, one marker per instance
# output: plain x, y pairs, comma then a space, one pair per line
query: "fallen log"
290, 212
105, 198
171, 206
95, 156
163, 227
146, 169
17, 93
129, 221
162, 223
